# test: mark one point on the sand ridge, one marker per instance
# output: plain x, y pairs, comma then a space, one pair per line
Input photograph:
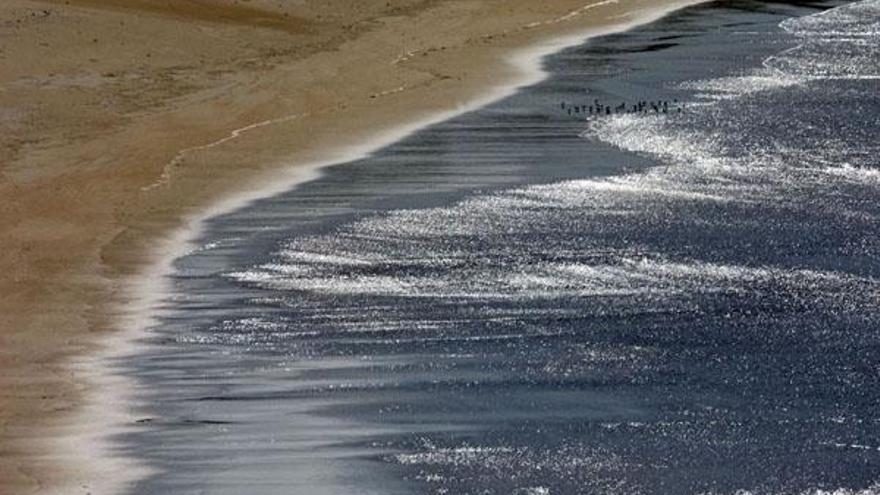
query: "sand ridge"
119, 118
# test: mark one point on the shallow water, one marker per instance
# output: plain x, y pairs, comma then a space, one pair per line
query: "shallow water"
520, 300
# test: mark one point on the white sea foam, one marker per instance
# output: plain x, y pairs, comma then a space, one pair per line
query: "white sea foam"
855, 174
566, 462
731, 87
871, 490
855, 19
456, 271
840, 43
454, 456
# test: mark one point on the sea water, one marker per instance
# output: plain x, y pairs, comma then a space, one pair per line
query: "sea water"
530, 300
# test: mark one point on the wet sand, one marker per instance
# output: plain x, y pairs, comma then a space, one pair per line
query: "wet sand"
121, 119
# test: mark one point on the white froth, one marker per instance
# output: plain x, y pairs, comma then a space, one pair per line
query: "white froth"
871, 490
756, 80
840, 43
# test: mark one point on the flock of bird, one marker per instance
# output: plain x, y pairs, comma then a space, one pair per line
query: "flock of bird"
599, 109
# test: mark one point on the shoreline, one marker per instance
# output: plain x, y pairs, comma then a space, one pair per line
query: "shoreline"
141, 254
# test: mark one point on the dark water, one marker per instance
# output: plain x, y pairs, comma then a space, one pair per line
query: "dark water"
519, 301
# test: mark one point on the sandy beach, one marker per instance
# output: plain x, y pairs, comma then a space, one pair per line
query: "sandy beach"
123, 119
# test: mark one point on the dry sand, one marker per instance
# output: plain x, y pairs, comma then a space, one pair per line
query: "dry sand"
120, 118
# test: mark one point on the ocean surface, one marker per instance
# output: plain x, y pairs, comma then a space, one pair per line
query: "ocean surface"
545, 297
